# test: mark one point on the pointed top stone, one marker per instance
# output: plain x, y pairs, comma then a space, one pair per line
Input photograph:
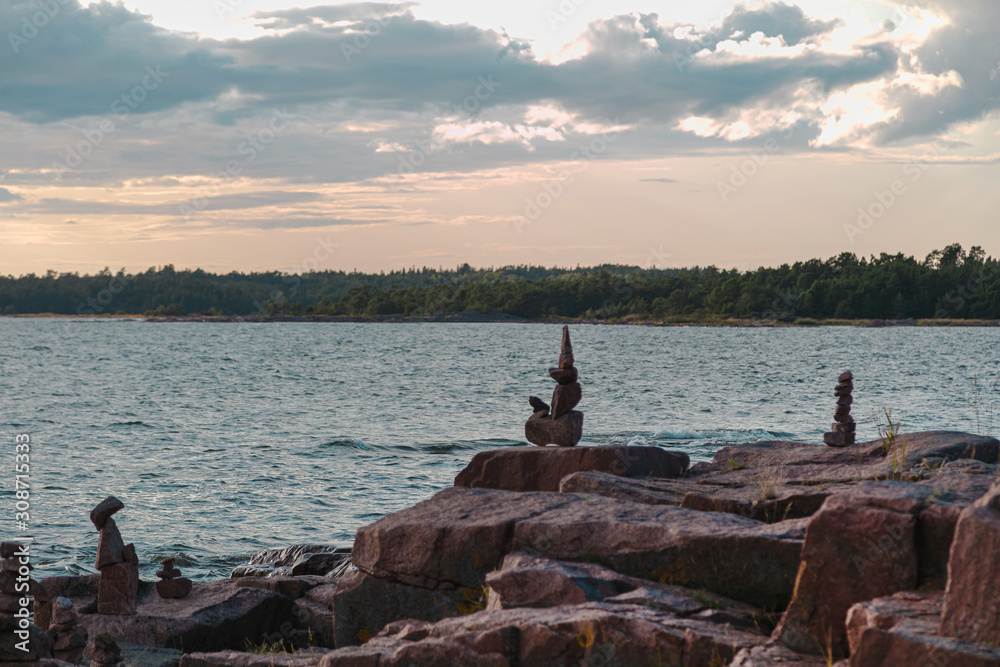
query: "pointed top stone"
100, 514
566, 354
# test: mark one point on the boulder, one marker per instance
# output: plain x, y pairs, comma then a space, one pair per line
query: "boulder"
565, 431
542, 469
903, 630
455, 537
216, 616
972, 602
363, 605
585, 634
529, 581
671, 545
859, 546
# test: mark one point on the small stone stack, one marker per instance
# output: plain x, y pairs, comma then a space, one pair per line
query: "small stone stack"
844, 429
118, 563
69, 638
16, 630
564, 426
104, 652
172, 584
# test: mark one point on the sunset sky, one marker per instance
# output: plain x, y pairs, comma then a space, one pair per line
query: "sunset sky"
257, 135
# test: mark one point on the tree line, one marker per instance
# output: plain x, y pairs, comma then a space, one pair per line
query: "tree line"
947, 284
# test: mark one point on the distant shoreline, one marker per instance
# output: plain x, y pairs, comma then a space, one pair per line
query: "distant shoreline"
481, 318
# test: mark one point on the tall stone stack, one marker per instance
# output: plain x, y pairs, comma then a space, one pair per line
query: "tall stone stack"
561, 425
17, 632
69, 638
844, 427
118, 563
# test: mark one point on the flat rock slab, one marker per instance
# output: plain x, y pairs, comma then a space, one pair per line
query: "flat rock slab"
767, 499
303, 658
671, 545
455, 537
916, 454
903, 629
215, 616
542, 468
531, 581
460, 535
585, 634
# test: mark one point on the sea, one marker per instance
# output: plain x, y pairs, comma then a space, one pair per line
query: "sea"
223, 439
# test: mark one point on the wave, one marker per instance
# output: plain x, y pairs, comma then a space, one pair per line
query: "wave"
690, 435
133, 423
347, 443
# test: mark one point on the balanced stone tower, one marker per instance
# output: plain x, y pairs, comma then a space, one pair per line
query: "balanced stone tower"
844, 429
118, 563
562, 425
21, 641
172, 585
69, 638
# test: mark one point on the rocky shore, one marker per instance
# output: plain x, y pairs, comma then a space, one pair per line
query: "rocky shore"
776, 553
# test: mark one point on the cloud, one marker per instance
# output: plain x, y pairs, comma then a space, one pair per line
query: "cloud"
378, 92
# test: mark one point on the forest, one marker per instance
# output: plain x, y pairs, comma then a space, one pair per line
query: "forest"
947, 284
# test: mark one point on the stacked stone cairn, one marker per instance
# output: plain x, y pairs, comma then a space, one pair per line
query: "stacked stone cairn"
562, 425
118, 563
17, 632
69, 638
844, 429
172, 585
104, 652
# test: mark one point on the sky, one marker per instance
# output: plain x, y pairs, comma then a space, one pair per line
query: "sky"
267, 135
